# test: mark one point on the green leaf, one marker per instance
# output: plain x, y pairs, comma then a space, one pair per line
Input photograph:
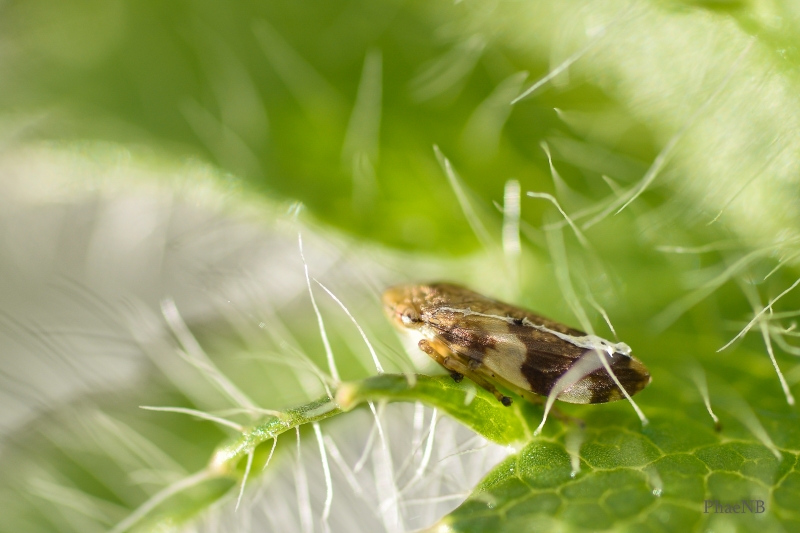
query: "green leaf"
463, 401
659, 477
234, 461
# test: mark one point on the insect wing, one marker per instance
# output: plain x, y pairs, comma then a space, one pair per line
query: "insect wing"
527, 358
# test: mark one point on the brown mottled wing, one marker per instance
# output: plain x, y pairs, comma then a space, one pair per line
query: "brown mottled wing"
450, 295
528, 358
503, 347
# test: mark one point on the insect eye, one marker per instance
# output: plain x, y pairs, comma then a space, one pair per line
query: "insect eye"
407, 315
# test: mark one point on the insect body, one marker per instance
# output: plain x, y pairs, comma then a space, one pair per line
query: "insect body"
491, 342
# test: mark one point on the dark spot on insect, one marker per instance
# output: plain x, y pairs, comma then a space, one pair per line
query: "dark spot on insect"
505, 400
518, 321
602, 386
631, 375
475, 344
546, 360
456, 376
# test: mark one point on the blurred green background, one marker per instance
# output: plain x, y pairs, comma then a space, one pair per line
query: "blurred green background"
335, 104
339, 105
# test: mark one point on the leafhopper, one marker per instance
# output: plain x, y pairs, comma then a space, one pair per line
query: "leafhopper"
494, 343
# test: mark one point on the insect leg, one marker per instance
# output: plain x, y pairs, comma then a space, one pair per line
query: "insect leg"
456, 367
451, 363
428, 348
